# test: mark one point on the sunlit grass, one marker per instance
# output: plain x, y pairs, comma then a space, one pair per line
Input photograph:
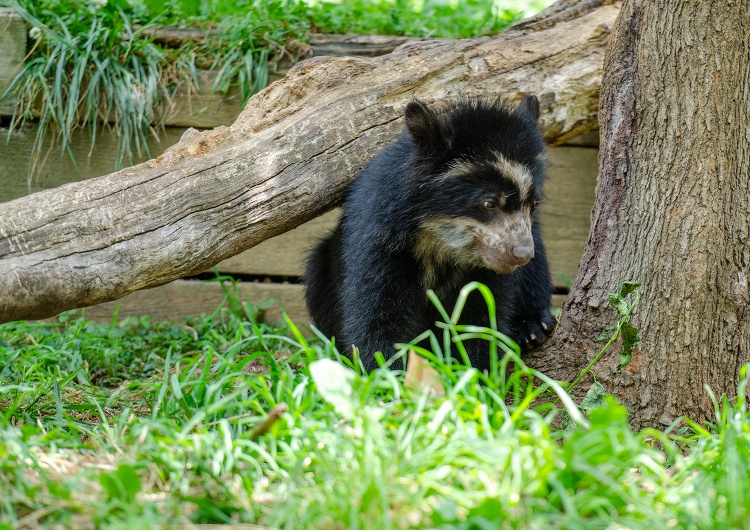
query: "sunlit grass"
136, 423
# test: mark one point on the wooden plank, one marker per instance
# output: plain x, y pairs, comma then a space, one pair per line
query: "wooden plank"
12, 52
557, 301
16, 152
566, 212
181, 298
565, 219
585, 140
336, 45
174, 301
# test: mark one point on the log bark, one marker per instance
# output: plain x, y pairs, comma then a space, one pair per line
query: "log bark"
288, 158
672, 211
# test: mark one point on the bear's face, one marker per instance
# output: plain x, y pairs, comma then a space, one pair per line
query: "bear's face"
478, 213
476, 179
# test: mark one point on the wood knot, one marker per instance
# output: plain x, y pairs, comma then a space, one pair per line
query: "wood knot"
194, 143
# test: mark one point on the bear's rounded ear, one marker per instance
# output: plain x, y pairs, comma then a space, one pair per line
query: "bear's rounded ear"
424, 126
529, 105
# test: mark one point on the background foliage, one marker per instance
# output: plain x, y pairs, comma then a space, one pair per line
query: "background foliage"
96, 63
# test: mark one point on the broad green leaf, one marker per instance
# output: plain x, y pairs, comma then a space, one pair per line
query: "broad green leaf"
630, 339
628, 287
190, 7
122, 484
594, 397
129, 479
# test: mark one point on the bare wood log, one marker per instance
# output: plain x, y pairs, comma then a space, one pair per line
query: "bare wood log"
319, 43
287, 159
361, 45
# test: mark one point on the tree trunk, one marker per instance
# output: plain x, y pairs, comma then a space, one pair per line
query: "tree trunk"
672, 211
288, 158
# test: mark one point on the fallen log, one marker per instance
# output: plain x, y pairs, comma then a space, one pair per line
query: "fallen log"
287, 159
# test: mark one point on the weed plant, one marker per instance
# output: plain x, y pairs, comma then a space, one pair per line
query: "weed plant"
136, 423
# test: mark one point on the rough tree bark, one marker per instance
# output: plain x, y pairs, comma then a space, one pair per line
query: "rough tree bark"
287, 158
672, 210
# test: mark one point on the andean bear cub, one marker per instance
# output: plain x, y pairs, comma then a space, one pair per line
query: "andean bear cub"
453, 200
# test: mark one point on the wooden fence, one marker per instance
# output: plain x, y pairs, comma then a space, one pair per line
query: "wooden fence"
271, 269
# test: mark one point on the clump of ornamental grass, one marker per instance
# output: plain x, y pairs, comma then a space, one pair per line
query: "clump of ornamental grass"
95, 65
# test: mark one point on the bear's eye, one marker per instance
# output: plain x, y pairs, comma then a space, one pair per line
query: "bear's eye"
489, 204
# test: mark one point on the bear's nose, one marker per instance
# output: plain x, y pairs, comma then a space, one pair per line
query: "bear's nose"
523, 253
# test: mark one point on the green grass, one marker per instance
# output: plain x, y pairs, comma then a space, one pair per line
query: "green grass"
136, 423
94, 65
427, 18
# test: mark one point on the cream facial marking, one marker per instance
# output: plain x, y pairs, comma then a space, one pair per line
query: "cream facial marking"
467, 242
459, 168
518, 173
442, 242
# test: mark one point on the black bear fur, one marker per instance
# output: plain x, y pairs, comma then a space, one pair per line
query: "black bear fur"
453, 200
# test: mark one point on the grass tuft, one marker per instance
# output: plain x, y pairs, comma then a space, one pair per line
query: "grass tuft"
227, 420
